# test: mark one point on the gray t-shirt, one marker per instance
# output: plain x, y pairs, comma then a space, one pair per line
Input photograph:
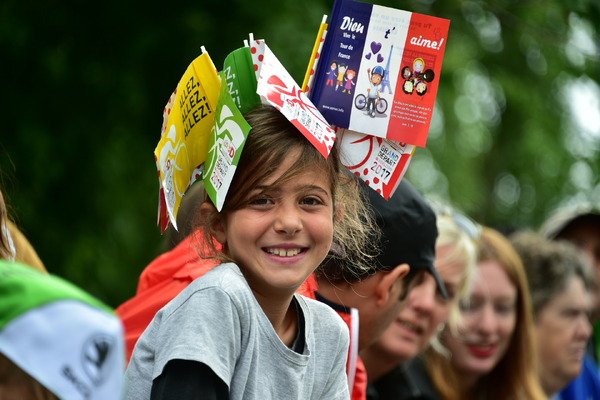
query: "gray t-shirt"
217, 321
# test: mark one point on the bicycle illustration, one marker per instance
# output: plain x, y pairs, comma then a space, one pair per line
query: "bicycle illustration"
381, 104
373, 102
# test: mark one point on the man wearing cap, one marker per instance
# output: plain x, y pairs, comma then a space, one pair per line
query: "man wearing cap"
56, 340
580, 225
368, 303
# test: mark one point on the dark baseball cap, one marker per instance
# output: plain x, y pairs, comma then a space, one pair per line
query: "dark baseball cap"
409, 230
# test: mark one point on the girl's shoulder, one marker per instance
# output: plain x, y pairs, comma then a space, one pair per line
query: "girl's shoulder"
227, 276
222, 285
326, 333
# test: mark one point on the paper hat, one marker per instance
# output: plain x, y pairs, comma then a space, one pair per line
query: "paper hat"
63, 337
409, 230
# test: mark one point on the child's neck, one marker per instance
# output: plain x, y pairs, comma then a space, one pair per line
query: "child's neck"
283, 317
289, 328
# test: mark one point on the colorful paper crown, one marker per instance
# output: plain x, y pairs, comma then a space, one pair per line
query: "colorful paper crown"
204, 132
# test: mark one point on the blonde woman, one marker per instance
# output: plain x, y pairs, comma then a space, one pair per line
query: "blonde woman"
492, 351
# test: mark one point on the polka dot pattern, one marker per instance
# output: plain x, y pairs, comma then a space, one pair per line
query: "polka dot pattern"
257, 52
381, 163
315, 63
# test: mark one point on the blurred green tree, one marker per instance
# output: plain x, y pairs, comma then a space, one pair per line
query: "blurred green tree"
517, 124
516, 128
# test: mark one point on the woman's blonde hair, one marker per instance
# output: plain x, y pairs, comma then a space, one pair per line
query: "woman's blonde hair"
517, 371
464, 251
272, 139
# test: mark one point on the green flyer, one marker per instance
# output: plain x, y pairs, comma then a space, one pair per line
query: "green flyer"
227, 140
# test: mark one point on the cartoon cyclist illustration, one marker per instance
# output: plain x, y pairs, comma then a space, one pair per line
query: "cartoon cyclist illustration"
375, 78
373, 100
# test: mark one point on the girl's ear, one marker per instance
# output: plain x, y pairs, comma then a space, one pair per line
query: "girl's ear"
208, 212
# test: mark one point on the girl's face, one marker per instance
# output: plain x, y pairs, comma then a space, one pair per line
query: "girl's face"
425, 308
284, 232
488, 322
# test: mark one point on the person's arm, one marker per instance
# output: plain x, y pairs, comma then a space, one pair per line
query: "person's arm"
188, 380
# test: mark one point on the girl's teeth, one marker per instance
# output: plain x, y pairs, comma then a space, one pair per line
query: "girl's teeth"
284, 252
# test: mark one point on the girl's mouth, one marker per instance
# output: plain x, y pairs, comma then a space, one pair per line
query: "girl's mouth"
284, 252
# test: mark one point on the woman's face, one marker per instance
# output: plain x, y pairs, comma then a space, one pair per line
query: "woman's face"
488, 323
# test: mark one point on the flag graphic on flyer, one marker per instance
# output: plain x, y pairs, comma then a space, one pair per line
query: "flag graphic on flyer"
379, 70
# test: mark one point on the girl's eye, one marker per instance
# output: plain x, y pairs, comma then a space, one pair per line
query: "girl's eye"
260, 201
311, 201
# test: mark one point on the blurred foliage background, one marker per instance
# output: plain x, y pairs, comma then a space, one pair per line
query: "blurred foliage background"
515, 133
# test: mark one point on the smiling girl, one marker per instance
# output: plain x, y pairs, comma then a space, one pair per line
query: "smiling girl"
240, 331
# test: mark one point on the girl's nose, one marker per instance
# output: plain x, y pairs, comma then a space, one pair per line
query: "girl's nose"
288, 220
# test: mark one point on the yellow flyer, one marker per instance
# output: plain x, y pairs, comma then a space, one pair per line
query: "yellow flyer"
187, 123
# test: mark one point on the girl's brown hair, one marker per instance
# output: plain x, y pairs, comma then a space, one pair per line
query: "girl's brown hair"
517, 371
272, 139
